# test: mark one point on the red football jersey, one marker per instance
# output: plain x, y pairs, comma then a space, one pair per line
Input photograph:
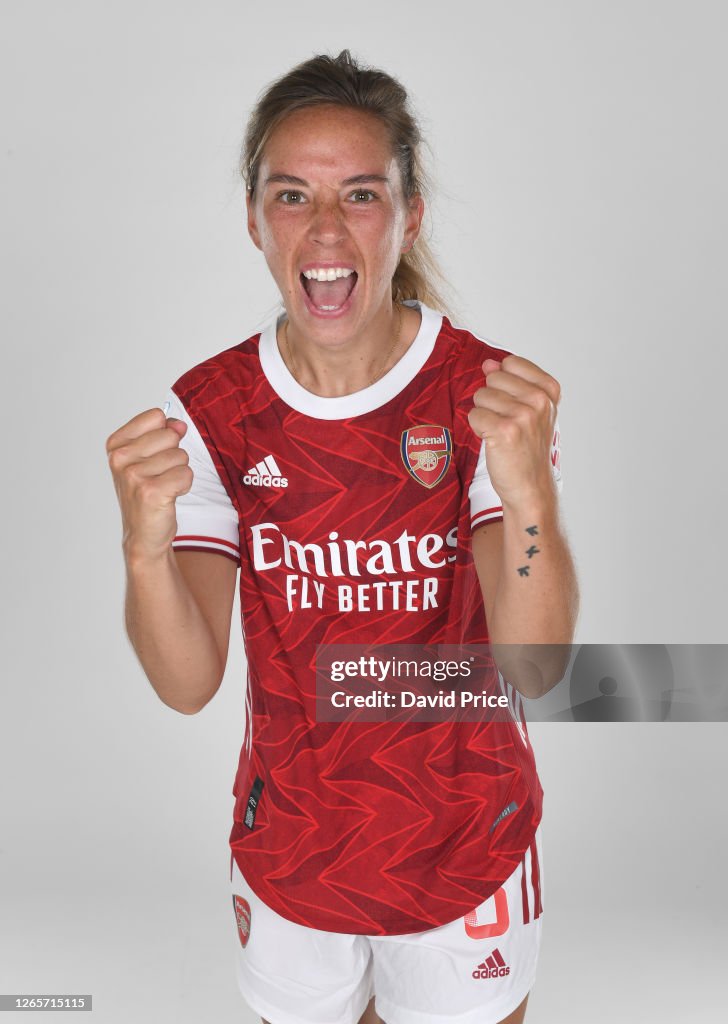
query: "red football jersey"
351, 520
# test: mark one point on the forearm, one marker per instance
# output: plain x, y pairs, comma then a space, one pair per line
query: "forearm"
537, 598
172, 639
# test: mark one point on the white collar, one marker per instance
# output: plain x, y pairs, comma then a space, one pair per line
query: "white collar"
377, 394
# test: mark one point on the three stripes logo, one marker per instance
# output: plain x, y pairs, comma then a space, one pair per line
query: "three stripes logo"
494, 966
265, 473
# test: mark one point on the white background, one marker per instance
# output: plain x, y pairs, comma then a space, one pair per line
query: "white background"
580, 168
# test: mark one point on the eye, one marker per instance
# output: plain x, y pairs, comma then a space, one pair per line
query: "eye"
364, 192
289, 192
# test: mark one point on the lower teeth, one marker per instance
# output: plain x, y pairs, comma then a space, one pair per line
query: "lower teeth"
327, 308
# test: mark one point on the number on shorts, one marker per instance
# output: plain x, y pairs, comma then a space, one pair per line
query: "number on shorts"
497, 927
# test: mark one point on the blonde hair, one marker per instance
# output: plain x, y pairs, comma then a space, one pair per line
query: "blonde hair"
343, 81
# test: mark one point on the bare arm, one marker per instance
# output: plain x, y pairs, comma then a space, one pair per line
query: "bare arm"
178, 605
531, 617
178, 611
524, 564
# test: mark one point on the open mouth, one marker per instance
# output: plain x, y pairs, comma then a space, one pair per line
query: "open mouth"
329, 296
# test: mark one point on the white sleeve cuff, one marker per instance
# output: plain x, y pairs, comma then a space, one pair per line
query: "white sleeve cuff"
206, 517
485, 504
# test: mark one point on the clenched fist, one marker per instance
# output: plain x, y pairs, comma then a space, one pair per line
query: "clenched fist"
516, 414
150, 471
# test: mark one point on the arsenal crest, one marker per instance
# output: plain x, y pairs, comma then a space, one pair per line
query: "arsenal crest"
242, 916
426, 452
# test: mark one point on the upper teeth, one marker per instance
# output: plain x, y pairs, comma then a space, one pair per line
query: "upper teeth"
327, 273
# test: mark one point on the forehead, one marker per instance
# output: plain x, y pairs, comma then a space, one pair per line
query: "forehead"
328, 137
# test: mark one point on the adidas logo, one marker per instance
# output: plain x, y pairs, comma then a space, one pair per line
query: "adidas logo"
493, 966
265, 474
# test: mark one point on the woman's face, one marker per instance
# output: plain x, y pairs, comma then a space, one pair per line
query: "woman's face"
329, 195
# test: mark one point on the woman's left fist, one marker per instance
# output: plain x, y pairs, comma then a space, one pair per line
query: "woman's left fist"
515, 415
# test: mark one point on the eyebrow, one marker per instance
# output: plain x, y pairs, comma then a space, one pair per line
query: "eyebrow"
357, 179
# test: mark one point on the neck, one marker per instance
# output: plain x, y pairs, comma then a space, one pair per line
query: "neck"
344, 365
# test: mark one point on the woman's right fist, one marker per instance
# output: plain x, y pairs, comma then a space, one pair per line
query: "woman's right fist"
150, 471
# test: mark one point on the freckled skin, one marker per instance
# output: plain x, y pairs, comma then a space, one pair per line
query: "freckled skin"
295, 225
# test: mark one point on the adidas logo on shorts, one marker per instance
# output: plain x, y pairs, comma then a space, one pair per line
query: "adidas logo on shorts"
494, 966
265, 474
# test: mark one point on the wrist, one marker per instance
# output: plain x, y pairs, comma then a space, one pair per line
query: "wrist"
140, 557
537, 505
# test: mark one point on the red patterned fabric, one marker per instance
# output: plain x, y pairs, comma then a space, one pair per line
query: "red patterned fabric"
362, 827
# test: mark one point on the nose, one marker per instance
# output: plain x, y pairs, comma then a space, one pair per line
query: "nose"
327, 223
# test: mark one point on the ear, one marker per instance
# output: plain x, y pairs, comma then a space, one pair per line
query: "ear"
252, 221
413, 221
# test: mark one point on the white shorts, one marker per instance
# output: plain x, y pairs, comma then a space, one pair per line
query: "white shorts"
474, 970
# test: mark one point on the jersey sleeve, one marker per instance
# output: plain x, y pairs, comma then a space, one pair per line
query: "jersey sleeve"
206, 517
485, 505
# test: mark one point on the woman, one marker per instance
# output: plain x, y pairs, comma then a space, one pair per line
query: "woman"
338, 457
